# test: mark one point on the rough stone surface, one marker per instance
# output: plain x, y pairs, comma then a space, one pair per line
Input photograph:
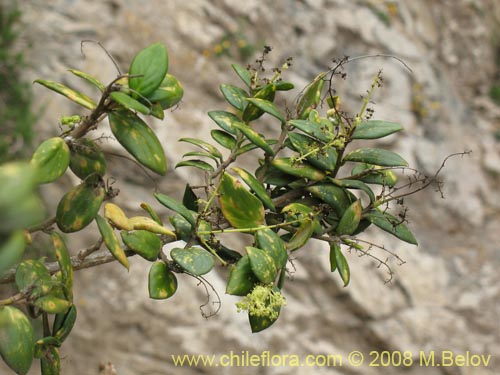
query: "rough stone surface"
446, 296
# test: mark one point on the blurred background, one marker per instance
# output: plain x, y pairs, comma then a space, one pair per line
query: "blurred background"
447, 294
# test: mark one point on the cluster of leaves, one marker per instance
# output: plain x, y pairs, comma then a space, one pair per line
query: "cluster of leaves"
15, 95
307, 185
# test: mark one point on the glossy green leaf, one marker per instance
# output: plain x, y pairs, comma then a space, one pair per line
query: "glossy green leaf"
225, 120
355, 184
335, 196
321, 157
79, 206
162, 283
350, 219
321, 132
168, 94
244, 74
262, 264
148, 245
193, 260
376, 156
51, 159
240, 207
253, 112
268, 107
71, 94
373, 129
273, 176
183, 228
139, 140
32, 275
16, 344
177, 207
157, 111
256, 186
223, 138
392, 225
189, 199
283, 86
311, 96
340, 263
52, 305
200, 164
148, 69
50, 362
11, 250
129, 102
87, 158
234, 96
90, 79
111, 241
298, 169
64, 261
64, 323
253, 137
241, 279
203, 145
372, 174
300, 237
271, 242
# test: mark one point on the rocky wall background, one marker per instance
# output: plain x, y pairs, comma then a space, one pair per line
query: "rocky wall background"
446, 296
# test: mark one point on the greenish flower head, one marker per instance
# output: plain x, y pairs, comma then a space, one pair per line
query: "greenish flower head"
262, 301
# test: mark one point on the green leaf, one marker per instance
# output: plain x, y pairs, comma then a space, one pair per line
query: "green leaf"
52, 305
250, 146
244, 74
284, 86
268, 107
311, 96
252, 112
139, 140
182, 227
392, 225
241, 279
64, 261
16, 345
240, 207
225, 120
301, 235
193, 260
177, 207
262, 264
87, 77
372, 174
272, 243
223, 138
32, 274
87, 159
50, 362
355, 184
129, 102
350, 219
200, 164
111, 241
234, 96
256, 187
51, 159
148, 245
71, 94
64, 323
335, 196
148, 69
374, 129
340, 262
157, 111
168, 94
189, 199
79, 206
254, 137
11, 250
203, 145
202, 154
162, 283
320, 132
323, 158
376, 156
260, 323
298, 169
